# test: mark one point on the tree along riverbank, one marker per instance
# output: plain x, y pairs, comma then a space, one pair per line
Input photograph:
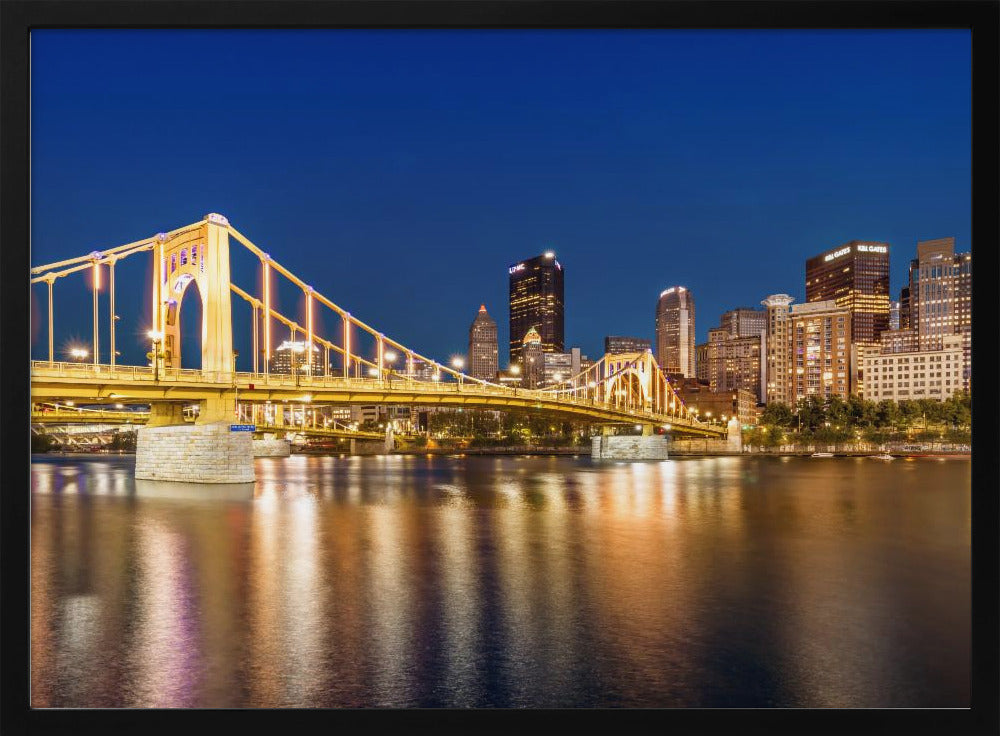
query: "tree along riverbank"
808, 450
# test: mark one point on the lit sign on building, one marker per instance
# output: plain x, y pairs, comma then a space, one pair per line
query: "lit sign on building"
860, 249
515, 269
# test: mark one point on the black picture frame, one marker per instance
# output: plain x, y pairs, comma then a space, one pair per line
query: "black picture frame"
18, 18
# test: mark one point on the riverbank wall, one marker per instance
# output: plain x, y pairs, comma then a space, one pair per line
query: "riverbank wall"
581, 450
696, 448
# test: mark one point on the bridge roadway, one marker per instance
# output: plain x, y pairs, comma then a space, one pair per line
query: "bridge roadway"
140, 384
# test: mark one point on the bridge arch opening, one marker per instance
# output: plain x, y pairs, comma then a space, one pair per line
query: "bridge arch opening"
191, 317
628, 389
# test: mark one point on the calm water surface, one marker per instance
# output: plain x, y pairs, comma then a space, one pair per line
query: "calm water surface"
504, 582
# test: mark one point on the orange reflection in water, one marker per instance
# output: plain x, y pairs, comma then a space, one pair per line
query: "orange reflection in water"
483, 582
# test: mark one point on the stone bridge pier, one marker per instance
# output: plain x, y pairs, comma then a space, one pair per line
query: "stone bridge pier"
648, 446
170, 449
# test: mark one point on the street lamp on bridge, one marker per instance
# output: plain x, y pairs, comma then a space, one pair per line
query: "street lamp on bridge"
389, 358
157, 337
458, 364
79, 354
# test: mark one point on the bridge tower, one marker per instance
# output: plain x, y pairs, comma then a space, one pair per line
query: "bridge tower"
200, 256
167, 448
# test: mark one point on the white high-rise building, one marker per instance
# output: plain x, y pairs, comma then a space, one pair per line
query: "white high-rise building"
778, 369
675, 351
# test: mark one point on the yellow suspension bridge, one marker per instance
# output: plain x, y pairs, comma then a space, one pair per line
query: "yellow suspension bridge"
357, 364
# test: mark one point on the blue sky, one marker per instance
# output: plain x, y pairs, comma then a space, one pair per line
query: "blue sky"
401, 172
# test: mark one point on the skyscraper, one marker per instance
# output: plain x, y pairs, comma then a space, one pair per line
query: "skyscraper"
536, 301
483, 362
675, 331
856, 276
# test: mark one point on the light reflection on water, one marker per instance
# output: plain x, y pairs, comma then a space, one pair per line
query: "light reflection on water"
503, 582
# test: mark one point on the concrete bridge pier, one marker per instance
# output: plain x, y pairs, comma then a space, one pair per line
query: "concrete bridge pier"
648, 446
170, 449
368, 447
270, 445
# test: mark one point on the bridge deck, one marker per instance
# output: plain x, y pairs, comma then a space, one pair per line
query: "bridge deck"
140, 384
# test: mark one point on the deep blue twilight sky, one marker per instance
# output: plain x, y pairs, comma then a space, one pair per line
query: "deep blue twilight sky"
401, 172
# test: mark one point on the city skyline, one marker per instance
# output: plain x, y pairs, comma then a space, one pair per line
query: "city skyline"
752, 208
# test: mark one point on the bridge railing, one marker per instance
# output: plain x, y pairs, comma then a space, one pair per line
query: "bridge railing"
87, 415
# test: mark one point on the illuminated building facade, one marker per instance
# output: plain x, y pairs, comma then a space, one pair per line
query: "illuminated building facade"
899, 341
536, 301
292, 357
533, 369
919, 374
894, 309
420, 370
712, 406
744, 322
856, 276
941, 297
778, 367
820, 354
615, 344
559, 368
675, 351
482, 358
728, 362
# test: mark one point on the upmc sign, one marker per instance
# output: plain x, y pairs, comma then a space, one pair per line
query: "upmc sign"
515, 269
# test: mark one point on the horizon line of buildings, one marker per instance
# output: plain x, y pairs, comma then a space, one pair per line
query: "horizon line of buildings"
847, 338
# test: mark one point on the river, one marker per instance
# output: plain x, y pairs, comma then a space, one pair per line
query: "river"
416, 581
